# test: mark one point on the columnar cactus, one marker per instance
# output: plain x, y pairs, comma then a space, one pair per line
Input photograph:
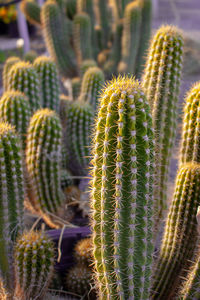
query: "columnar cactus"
76, 87
180, 235
130, 38
82, 37
91, 86
190, 137
34, 261
23, 77
11, 197
71, 8
6, 69
102, 16
48, 76
79, 121
15, 109
31, 10
120, 6
85, 65
161, 83
57, 37
122, 188
43, 158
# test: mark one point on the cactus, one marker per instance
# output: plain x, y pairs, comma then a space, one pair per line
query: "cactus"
180, 235
31, 10
122, 188
30, 56
85, 65
71, 8
34, 261
82, 37
23, 77
43, 158
120, 6
83, 251
190, 136
91, 86
130, 38
102, 16
3, 293
48, 76
76, 87
56, 31
79, 121
66, 179
161, 84
15, 109
11, 197
6, 69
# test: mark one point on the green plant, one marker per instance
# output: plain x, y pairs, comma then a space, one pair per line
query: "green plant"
76, 87
85, 65
34, 262
23, 77
122, 187
71, 8
3, 293
30, 56
6, 69
31, 10
48, 77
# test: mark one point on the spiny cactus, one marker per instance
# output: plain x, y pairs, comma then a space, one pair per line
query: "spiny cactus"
122, 188
23, 77
43, 157
190, 137
161, 83
180, 234
6, 69
57, 37
76, 87
91, 86
15, 109
11, 197
31, 10
82, 37
83, 251
79, 121
130, 38
85, 65
48, 76
34, 261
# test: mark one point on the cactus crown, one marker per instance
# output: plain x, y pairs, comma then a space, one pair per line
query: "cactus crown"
6, 69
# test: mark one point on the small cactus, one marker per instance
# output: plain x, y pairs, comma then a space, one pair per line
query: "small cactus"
85, 65
6, 69
48, 76
34, 262
23, 77
83, 251
76, 87
31, 10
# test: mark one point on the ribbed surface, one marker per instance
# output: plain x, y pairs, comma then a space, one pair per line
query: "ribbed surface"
6, 69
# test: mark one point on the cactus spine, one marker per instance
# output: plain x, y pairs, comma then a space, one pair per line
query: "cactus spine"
43, 157
48, 76
122, 188
91, 86
180, 234
11, 198
161, 84
31, 10
6, 69
34, 260
23, 78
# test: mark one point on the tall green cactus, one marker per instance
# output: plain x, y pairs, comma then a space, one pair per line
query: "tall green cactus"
190, 137
43, 158
34, 261
130, 38
122, 188
161, 83
103, 20
48, 76
91, 86
6, 69
15, 109
180, 235
31, 10
23, 77
82, 37
56, 31
11, 198
80, 117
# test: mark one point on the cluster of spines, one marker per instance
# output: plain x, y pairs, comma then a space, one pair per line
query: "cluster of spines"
122, 187
34, 261
6, 69
23, 78
48, 77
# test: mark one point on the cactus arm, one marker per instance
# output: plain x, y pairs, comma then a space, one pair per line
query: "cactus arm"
31, 10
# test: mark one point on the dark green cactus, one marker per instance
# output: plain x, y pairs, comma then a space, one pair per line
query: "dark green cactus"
11, 198
76, 87
85, 65
31, 10
6, 69
161, 83
122, 188
34, 262
23, 77
48, 76
71, 8
180, 236
103, 20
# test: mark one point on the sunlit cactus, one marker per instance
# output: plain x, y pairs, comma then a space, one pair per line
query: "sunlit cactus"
103, 20
23, 77
6, 69
122, 188
34, 262
31, 10
85, 65
48, 76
